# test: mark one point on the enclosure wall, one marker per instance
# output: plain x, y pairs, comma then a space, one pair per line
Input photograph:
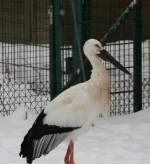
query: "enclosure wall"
41, 50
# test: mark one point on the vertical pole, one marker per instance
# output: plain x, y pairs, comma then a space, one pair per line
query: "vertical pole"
76, 59
149, 71
86, 32
137, 57
85, 20
55, 54
78, 40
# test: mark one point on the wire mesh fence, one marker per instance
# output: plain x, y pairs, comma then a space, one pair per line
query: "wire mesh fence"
40, 55
146, 73
24, 55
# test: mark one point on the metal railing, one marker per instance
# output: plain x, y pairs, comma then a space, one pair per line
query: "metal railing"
41, 50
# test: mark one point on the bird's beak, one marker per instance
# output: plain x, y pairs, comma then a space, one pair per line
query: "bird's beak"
107, 57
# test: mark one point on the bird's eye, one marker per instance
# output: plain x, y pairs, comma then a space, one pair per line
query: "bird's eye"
96, 45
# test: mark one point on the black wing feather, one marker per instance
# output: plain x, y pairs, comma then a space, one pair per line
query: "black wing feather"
42, 138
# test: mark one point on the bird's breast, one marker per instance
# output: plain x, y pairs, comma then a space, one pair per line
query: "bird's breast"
100, 95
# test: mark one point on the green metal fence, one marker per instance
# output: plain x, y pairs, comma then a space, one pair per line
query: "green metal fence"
44, 57
24, 55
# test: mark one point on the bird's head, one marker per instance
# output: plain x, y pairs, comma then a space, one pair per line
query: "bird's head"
93, 47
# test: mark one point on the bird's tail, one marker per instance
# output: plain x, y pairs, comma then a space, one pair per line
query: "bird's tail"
42, 138
27, 146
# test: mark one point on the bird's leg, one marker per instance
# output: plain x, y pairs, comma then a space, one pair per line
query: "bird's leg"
72, 152
69, 158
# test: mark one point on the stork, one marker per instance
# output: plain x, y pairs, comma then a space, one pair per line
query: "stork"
73, 111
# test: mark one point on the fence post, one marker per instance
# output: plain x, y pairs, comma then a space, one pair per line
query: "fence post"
78, 36
76, 58
86, 11
85, 31
55, 51
137, 86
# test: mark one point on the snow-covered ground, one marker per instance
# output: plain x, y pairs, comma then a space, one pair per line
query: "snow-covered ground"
114, 140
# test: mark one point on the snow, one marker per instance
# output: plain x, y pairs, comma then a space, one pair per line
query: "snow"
113, 140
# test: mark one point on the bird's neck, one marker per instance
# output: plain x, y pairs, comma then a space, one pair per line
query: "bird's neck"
99, 73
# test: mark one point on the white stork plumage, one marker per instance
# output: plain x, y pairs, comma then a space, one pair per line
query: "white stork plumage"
74, 110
